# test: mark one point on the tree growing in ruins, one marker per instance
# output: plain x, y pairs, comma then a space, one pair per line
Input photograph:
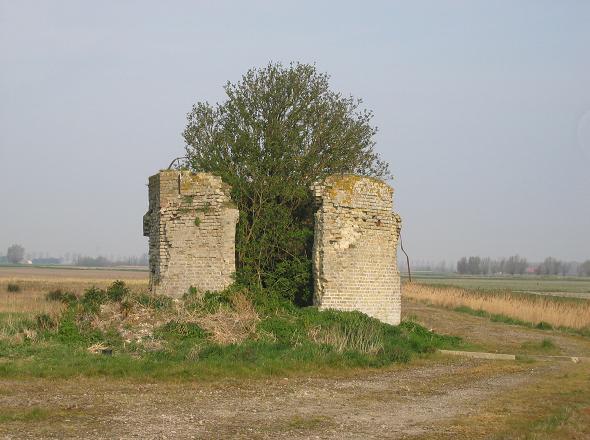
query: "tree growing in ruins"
15, 253
280, 129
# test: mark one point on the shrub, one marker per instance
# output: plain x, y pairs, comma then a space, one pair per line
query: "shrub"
13, 287
61, 296
117, 290
45, 322
283, 330
157, 302
93, 298
183, 330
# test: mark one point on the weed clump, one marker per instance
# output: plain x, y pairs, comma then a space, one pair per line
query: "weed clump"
117, 291
11, 287
61, 296
45, 322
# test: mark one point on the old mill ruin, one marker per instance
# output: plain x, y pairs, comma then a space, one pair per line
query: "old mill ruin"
191, 225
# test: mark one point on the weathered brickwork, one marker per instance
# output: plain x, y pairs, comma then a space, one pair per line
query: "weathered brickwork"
191, 224
355, 246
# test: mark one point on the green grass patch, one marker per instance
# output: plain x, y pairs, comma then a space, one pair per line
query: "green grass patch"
545, 346
61, 296
308, 423
514, 321
274, 337
12, 323
23, 415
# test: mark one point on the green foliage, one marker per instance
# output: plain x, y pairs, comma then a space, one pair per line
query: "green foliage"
197, 221
544, 326
23, 415
14, 323
12, 287
293, 278
45, 322
280, 129
182, 330
61, 296
68, 331
93, 298
158, 302
117, 290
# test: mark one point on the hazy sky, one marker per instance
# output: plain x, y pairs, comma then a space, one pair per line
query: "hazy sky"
483, 110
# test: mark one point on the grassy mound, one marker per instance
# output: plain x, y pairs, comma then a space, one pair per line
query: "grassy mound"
237, 332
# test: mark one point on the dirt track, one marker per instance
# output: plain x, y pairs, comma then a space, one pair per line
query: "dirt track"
393, 404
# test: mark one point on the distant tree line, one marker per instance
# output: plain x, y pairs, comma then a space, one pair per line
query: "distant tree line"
15, 254
100, 261
516, 265
485, 266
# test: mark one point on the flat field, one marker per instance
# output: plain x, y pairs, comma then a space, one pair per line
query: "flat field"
553, 285
431, 397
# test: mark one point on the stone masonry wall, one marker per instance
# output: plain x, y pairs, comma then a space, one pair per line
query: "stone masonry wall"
355, 246
191, 224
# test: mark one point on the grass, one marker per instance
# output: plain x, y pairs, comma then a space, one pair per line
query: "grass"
309, 422
560, 409
545, 346
11, 287
23, 415
542, 312
236, 333
552, 406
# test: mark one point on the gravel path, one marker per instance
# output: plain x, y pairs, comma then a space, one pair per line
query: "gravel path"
403, 402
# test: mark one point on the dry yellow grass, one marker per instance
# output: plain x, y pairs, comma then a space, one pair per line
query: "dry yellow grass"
365, 340
533, 309
230, 325
35, 283
27, 303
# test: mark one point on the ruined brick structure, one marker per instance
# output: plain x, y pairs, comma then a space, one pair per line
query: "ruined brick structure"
191, 224
355, 247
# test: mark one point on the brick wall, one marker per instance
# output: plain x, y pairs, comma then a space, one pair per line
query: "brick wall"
355, 246
191, 224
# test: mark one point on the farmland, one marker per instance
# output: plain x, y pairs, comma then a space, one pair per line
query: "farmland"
550, 285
